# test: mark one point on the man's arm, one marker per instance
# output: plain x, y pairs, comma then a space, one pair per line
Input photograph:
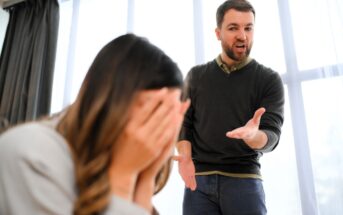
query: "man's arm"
186, 165
263, 134
184, 148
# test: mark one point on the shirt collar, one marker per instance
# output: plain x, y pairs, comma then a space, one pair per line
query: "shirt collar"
235, 67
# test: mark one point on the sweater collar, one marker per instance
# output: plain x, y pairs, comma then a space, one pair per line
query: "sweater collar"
233, 68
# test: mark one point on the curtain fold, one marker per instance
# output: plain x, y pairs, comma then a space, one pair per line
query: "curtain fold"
27, 61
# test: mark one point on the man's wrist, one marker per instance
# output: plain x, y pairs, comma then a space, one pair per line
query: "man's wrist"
258, 141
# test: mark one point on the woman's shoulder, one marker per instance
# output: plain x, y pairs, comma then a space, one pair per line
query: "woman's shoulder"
34, 142
29, 137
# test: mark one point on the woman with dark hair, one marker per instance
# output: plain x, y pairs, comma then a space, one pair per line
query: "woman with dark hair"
109, 151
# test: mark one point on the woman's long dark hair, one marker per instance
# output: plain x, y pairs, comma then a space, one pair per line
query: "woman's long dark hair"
93, 123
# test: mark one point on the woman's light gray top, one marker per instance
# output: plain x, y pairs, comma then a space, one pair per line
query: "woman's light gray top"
37, 174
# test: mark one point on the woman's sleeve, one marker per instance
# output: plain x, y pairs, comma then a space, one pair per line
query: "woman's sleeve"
36, 173
119, 206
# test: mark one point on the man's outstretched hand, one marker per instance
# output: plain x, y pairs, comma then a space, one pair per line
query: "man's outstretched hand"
250, 132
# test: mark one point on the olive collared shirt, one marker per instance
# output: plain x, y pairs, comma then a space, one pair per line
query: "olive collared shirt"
233, 68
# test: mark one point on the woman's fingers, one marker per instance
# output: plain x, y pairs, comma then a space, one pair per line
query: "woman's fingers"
153, 126
169, 127
141, 115
185, 106
162, 122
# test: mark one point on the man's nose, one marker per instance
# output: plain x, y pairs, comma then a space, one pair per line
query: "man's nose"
241, 35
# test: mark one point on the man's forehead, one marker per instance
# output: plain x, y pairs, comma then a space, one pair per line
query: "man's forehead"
238, 18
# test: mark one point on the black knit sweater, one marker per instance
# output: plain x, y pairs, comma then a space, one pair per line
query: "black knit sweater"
221, 102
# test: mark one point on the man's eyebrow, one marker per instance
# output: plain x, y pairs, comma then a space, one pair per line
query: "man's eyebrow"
232, 24
236, 24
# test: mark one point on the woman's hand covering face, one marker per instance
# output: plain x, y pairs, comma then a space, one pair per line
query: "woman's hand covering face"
148, 139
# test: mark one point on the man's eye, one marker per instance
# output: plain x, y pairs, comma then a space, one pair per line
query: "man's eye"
248, 28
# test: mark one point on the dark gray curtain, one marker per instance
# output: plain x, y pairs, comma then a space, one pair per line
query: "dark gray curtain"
27, 61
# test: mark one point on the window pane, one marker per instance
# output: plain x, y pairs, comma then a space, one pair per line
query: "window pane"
317, 32
66, 9
268, 45
279, 171
99, 23
168, 25
324, 104
211, 45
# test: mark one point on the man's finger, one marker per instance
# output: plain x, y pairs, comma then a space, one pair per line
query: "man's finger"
236, 133
193, 183
258, 114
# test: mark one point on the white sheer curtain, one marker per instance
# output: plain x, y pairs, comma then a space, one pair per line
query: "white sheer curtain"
4, 16
302, 40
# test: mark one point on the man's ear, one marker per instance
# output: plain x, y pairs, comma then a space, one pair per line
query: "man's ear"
217, 30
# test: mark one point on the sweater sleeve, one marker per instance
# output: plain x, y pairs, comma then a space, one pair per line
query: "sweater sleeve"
187, 126
119, 206
272, 119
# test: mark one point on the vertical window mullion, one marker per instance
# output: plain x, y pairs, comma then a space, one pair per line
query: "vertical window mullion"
304, 165
71, 53
198, 32
130, 15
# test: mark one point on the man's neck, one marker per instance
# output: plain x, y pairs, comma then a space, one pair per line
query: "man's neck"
235, 65
230, 62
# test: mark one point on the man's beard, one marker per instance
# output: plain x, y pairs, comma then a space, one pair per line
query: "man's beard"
229, 52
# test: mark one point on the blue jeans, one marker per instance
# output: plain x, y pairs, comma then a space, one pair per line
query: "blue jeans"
217, 194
